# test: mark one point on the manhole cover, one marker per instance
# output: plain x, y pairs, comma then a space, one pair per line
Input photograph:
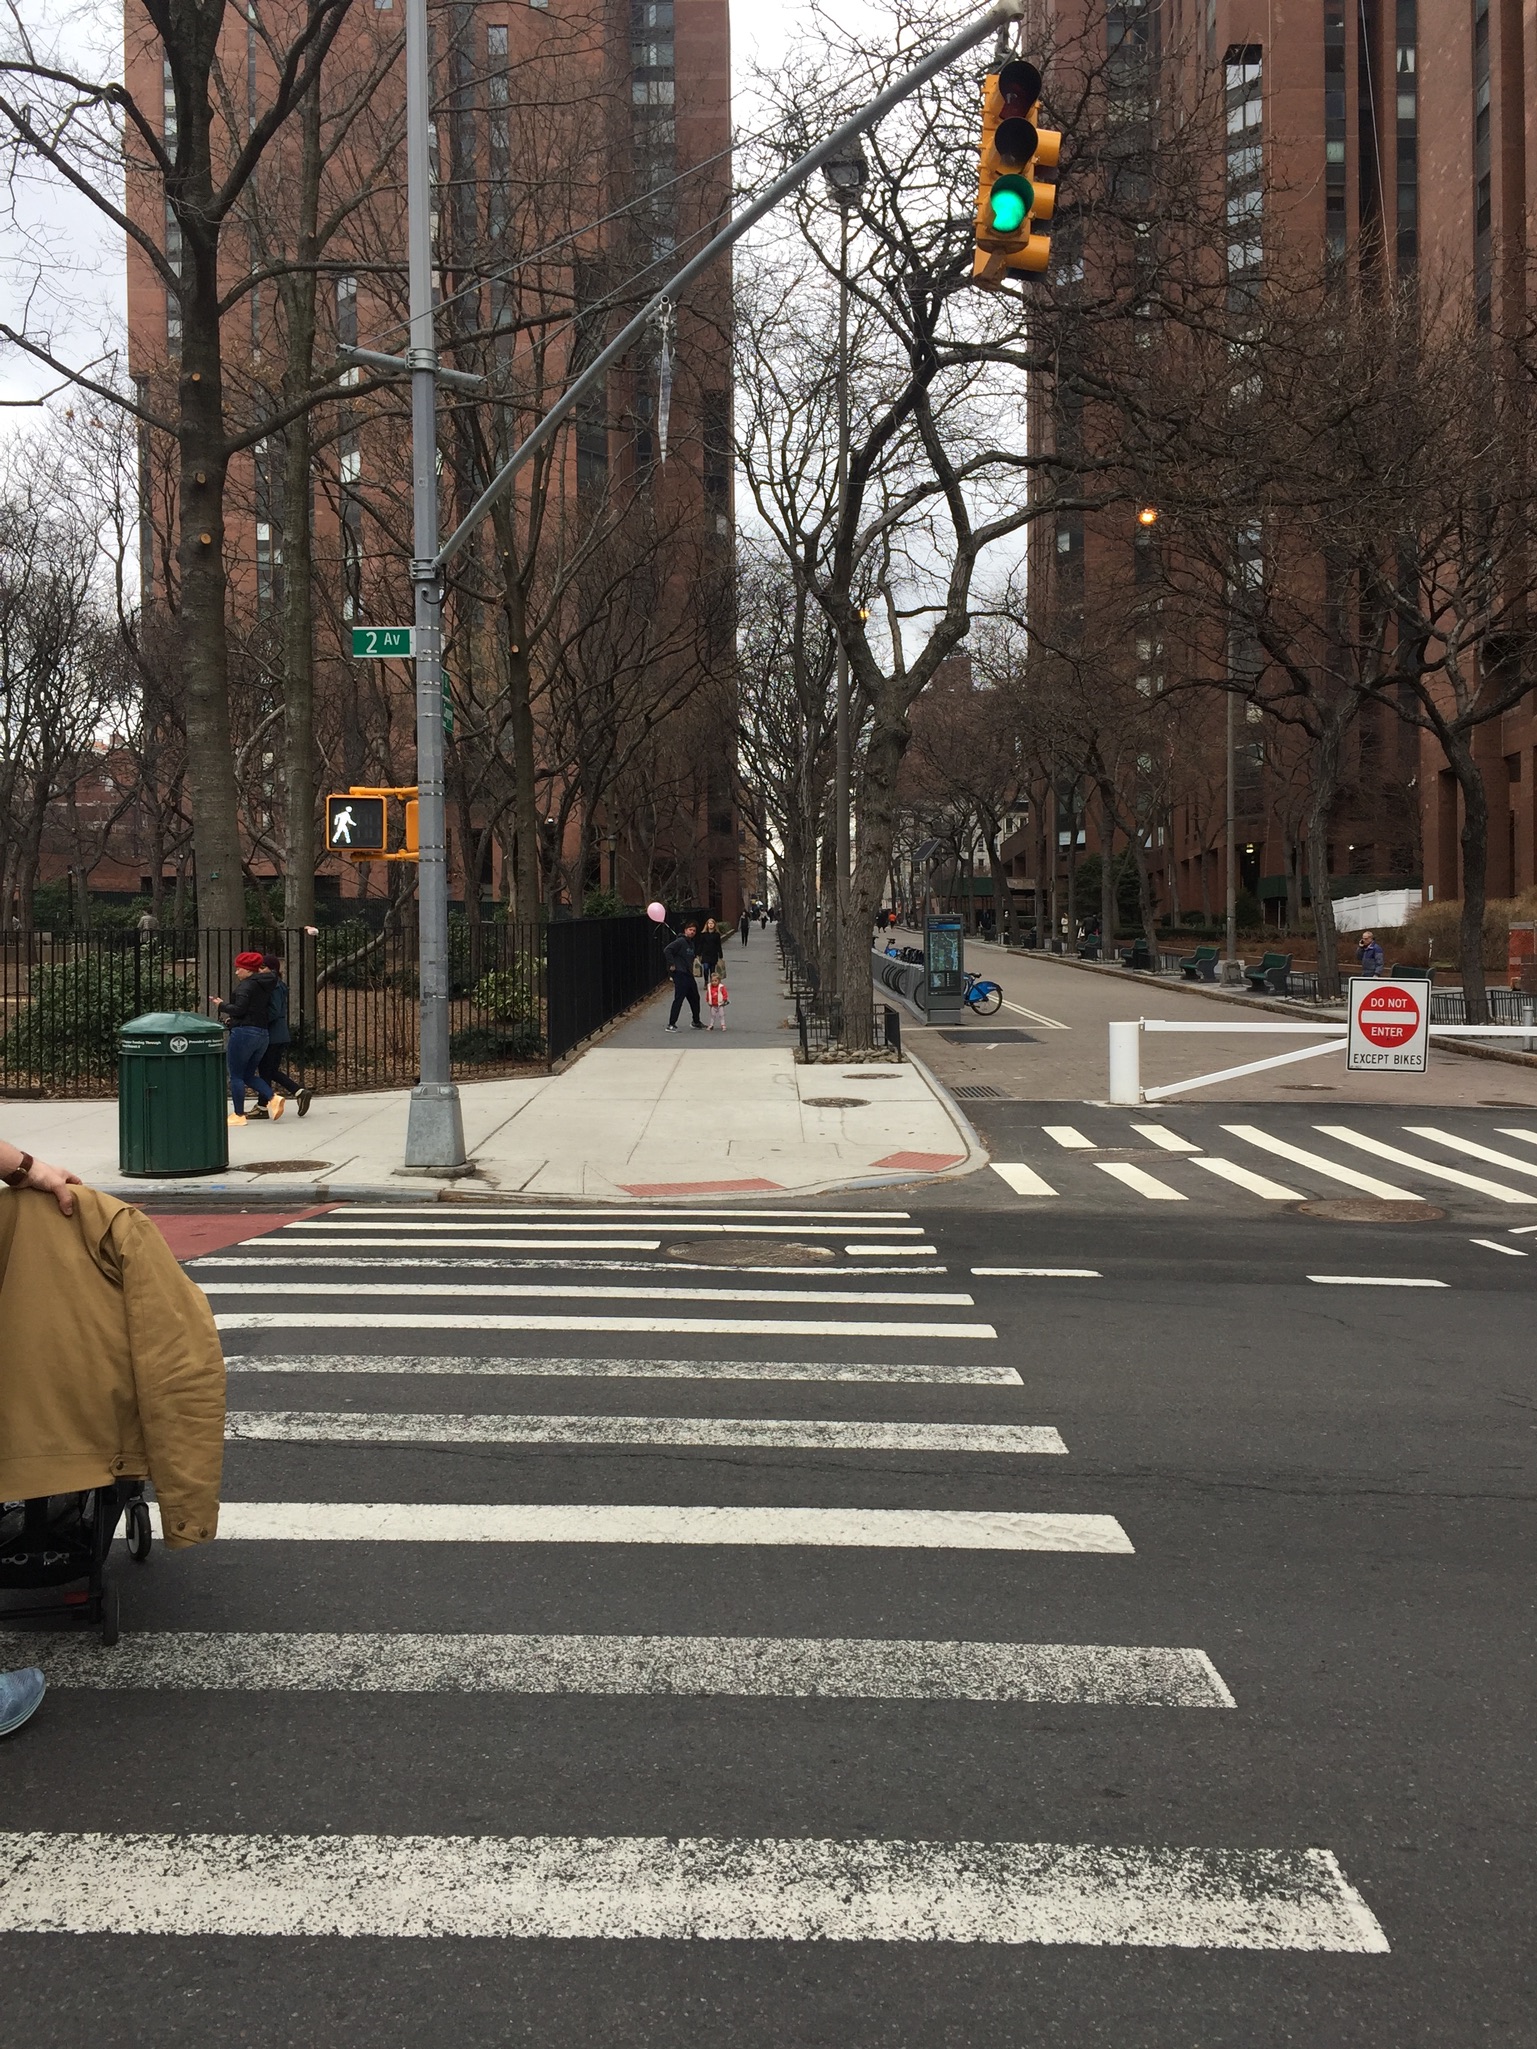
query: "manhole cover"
1371, 1209
750, 1252
835, 1102
278, 1166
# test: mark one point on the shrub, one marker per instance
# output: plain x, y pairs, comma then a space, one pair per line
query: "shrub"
1433, 932
68, 1030
603, 903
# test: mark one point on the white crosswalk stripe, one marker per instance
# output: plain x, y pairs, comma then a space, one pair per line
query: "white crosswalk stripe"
1332, 1170
1454, 1175
1472, 1150
679, 1889
1022, 1179
1140, 1181
963, 1373
736, 1433
766, 1667
1245, 1177
1169, 1141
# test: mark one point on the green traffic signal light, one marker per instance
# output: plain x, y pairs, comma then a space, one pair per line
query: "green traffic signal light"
1010, 204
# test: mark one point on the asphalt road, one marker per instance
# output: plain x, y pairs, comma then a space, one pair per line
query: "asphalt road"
1322, 1487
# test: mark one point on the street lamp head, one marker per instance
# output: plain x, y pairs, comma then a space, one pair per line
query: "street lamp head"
846, 172
1147, 515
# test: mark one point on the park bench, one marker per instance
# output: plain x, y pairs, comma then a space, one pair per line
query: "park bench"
1402, 973
1200, 966
1269, 978
1138, 956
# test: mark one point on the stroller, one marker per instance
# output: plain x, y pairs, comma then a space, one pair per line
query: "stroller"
58, 1540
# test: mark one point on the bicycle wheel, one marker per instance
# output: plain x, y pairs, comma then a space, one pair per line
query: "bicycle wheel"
985, 998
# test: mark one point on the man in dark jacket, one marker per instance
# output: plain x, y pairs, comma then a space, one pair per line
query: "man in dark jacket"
679, 957
279, 1038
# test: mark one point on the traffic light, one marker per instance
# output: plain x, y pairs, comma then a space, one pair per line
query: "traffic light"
1013, 202
355, 825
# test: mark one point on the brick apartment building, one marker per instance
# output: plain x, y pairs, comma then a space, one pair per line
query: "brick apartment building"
1403, 127
577, 145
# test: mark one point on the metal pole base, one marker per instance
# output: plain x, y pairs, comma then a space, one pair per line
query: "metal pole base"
435, 1130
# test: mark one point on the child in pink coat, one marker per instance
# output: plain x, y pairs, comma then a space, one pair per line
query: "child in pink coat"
715, 996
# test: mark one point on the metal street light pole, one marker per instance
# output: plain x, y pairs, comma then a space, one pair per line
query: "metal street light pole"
845, 174
434, 1128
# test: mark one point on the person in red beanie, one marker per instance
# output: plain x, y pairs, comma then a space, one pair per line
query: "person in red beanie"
246, 1013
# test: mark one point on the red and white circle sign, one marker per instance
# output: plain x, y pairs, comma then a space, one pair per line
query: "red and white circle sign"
1388, 1015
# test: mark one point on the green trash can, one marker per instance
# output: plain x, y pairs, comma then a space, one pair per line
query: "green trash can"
171, 1095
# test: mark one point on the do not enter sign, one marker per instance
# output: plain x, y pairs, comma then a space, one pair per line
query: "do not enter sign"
1389, 1027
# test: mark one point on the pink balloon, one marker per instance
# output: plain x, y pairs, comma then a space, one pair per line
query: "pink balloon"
657, 913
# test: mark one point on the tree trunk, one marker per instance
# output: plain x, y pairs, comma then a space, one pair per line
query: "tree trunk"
1003, 901
877, 832
1475, 875
1320, 804
1107, 889
298, 287
202, 470
526, 827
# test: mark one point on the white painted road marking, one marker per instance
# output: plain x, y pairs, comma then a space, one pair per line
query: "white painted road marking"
1493, 1245
452, 1522
1139, 1181
663, 1888
1352, 1177
971, 1373
1051, 1024
1244, 1177
1516, 1131
1042, 1273
630, 1291
1372, 1281
1433, 1168
377, 1244
768, 1667
891, 1251
1068, 1136
1488, 1153
644, 1326
747, 1433
1022, 1179
343, 1262
1169, 1140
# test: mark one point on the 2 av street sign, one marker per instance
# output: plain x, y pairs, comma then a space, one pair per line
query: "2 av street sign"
1389, 1027
383, 643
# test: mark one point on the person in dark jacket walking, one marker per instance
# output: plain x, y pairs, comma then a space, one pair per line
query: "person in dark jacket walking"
246, 1013
679, 957
745, 926
269, 1067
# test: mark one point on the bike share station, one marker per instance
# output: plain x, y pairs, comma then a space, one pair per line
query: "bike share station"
934, 982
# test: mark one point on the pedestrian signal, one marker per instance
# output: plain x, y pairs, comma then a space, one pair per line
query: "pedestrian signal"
355, 825
1013, 201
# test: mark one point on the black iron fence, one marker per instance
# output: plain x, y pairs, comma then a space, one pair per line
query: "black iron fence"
520, 996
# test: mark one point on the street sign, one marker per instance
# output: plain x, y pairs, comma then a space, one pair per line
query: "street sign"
1389, 1026
383, 643
355, 825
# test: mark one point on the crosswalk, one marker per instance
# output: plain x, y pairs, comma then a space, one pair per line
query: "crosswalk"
1158, 1162
834, 1414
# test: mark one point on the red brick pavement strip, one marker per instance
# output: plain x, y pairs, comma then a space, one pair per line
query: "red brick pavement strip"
921, 1163
189, 1236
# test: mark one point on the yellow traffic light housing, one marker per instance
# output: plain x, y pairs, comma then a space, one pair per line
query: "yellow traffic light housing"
1013, 202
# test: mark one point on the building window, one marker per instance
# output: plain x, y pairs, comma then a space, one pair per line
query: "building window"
716, 438
1483, 209
1334, 130
1244, 90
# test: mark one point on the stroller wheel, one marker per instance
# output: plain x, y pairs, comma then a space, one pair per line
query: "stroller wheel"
109, 1617
138, 1531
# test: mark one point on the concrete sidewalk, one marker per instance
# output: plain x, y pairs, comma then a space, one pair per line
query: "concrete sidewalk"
645, 1116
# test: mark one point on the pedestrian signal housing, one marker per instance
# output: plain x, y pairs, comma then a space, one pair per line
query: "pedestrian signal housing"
1013, 201
355, 825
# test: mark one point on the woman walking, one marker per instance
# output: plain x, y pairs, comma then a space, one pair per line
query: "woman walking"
269, 1067
745, 926
707, 950
246, 1013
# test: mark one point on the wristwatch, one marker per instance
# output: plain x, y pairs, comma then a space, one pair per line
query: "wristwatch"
19, 1178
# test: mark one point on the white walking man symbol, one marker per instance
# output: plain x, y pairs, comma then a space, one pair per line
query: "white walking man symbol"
341, 827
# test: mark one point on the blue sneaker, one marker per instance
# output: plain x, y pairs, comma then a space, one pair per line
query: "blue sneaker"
20, 1693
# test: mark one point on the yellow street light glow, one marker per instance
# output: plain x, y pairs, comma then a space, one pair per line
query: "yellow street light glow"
1147, 515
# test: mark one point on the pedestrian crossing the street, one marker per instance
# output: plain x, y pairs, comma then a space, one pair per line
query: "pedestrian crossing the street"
1299, 1162
479, 1392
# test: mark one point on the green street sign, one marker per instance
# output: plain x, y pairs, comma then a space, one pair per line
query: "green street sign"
383, 643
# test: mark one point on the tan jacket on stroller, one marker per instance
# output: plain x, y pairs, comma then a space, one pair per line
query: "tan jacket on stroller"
110, 1366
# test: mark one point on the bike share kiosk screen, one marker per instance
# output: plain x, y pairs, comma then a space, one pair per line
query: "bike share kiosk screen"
944, 970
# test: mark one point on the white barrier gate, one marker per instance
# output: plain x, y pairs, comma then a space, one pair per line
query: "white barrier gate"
1126, 1050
